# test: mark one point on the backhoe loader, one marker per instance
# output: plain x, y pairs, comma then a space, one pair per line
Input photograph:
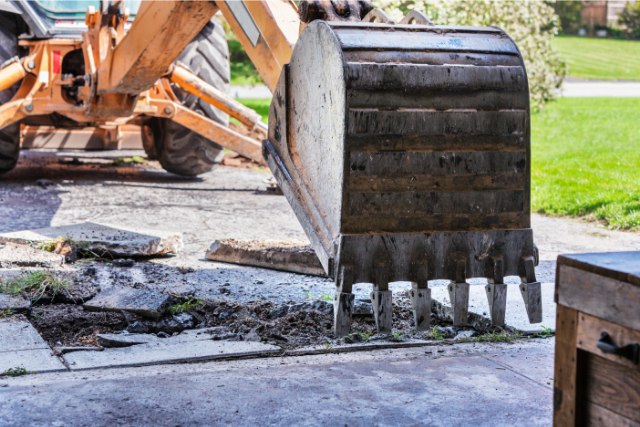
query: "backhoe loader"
403, 148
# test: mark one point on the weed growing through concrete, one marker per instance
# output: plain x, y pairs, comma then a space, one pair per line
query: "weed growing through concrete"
397, 336
7, 312
128, 160
326, 297
546, 333
364, 336
181, 308
497, 337
327, 346
35, 284
16, 372
50, 245
435, 334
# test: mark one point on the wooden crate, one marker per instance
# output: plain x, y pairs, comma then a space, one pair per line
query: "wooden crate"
597, 293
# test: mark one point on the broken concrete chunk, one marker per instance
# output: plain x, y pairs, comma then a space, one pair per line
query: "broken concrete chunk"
17, 303
361, 308
177, 323
64, 350
103, 239
17, 255
291, 255
145, 303
124, 340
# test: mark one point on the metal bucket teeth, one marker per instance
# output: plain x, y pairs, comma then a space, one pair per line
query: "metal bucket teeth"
406, 146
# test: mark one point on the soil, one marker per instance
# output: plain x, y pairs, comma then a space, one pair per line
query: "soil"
287, 325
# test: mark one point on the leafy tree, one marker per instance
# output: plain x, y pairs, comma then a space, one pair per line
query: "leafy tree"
569, 14
629, 18
532, 25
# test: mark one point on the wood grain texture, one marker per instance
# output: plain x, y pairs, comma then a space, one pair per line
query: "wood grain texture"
624, 266
610, 385
599, 296
592, 415
589, 330
564, 379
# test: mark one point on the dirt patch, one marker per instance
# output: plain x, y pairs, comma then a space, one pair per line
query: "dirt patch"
303, 324
298, 246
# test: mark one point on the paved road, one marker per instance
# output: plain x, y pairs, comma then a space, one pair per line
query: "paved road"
461, 385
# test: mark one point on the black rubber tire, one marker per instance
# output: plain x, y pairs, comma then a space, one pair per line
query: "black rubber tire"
10, 135
180, 150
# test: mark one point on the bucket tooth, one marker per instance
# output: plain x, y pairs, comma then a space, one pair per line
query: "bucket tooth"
342, 312
381, 298
531, 291
381, 302
343, 302
497, 293
421, 305
459, 295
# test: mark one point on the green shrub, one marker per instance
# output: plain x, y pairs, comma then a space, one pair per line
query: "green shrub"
569, 14
531, 24
629, 18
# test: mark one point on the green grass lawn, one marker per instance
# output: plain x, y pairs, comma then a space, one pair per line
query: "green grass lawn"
586, 160
601, 59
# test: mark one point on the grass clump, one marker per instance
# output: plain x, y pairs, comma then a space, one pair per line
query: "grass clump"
435, 334
497, 337
16, 372
35, 284
122, 161
50, 245
181, 308
586, 162
7, 312
326, 297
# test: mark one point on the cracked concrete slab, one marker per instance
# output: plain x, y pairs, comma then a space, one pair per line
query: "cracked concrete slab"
17, 334
145, 303
295, 256
160, 353
22, 346
104, 239
14, 302
15, 255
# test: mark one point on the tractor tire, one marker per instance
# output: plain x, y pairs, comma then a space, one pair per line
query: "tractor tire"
180, 150
10, 135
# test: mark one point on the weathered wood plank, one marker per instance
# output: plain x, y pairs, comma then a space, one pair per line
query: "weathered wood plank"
599, 296
429, 122
624, 266
485, 100
417, 204
593, 415
442, 143
564, 378
434, 77
437, 163
610, 385
436, 223
439, 183
589, 330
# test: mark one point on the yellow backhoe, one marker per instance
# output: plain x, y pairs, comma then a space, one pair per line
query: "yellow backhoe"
403, 148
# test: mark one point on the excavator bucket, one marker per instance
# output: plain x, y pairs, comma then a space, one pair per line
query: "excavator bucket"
404, 151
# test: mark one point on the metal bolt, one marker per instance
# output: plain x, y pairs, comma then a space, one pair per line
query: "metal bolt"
168, 110
31, 64
29, 107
